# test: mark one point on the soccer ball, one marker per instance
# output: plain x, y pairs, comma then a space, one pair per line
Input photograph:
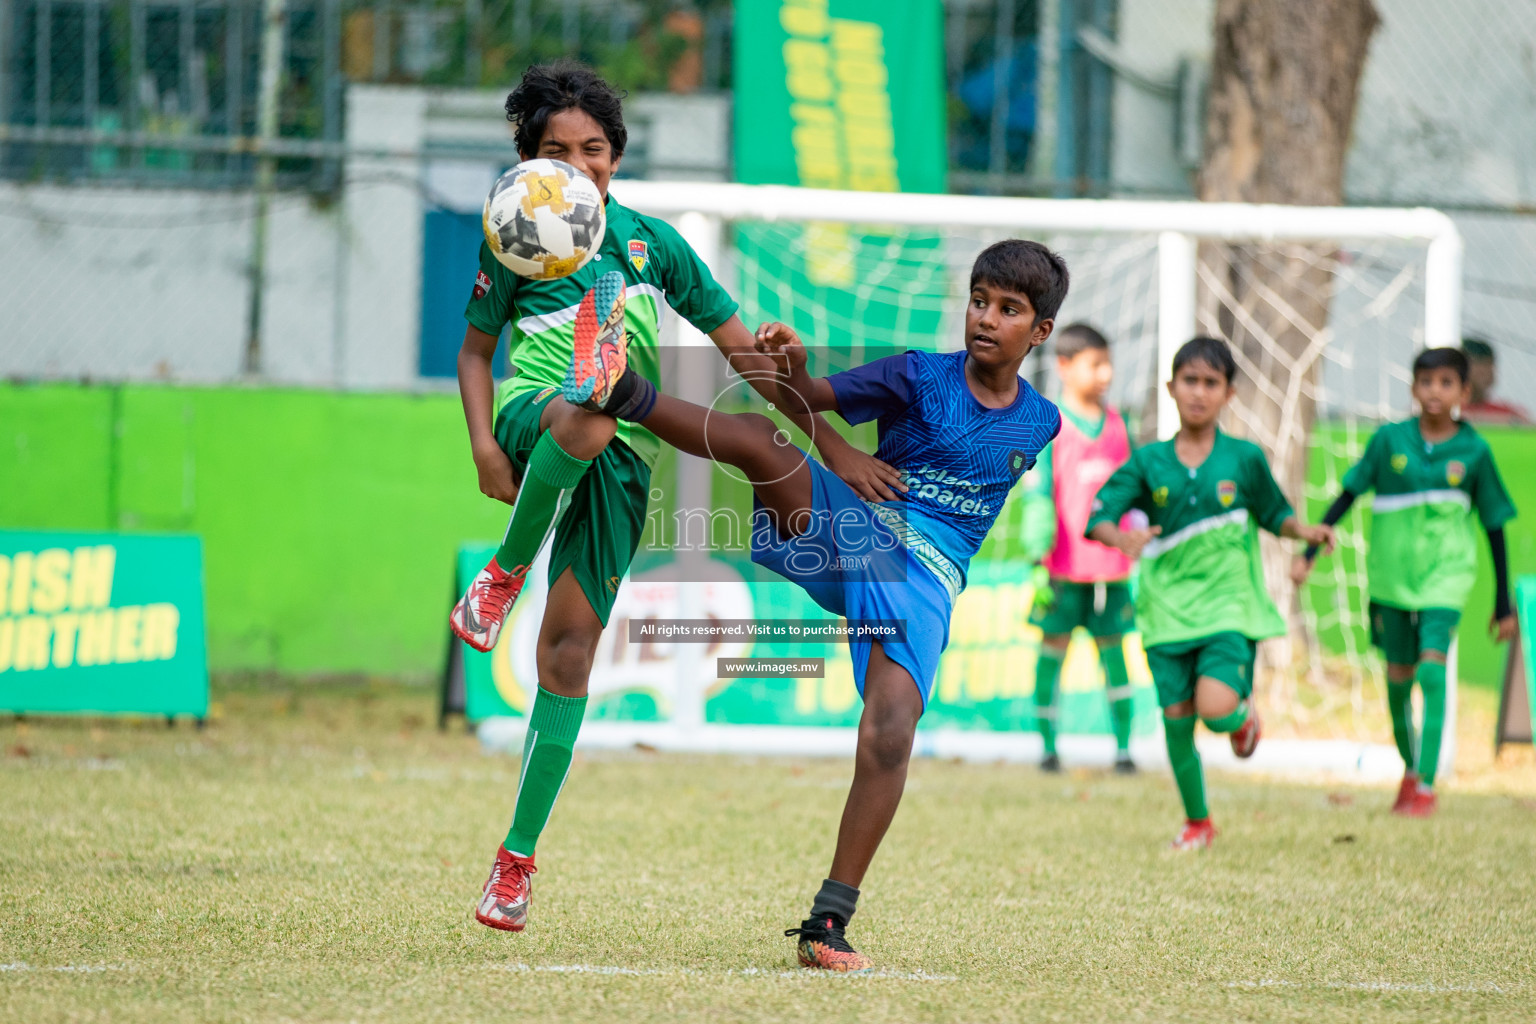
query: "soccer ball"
544, 219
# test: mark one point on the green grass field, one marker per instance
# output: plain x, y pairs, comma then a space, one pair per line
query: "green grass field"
315, 858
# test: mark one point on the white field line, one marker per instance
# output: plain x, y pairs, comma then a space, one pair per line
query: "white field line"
1366, 986
744, 972
65, 969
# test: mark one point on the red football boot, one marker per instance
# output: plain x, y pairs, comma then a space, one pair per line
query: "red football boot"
504, 900
822, 946
1195, 835
1405, 791
600, 346
1246, 740
1421, 804
478, 617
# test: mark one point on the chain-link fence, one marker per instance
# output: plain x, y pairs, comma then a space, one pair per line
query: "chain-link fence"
1061, 97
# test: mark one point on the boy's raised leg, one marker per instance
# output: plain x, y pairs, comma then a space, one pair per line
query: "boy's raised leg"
892, 706
571, 439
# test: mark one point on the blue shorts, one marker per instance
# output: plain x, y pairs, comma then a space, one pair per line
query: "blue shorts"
851, 564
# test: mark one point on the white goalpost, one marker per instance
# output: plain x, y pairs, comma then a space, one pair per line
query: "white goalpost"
1381, 284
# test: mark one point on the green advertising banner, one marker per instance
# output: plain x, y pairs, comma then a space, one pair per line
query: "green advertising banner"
986, 677
100, 623
842, 94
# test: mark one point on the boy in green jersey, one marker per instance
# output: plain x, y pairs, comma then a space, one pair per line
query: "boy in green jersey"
1079, 582
1202, 604
1429, 474
576, 478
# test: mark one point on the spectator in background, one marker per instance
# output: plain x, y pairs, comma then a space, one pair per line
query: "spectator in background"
1481, 376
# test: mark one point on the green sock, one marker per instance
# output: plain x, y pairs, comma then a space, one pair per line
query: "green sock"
1117, 687
1046, 671
1400, 703
1187, 770
1230, 722
1431, 677
541, 501
552, 729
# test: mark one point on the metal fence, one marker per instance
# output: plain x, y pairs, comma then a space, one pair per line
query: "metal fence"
168, 91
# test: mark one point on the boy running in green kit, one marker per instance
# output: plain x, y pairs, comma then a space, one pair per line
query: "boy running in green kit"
1085, 583
573, 476
1202, 603
1429, 474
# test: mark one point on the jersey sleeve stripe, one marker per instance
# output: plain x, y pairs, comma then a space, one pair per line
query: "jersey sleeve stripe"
1158, 545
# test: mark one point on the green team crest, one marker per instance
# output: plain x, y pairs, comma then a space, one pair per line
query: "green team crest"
1399, 462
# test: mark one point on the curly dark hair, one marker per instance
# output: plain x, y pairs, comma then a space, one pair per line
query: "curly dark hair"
1026, 267
547, 89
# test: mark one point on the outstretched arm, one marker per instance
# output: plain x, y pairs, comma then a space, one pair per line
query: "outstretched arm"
1318, 535
1301, 565
868, 476
1129, 542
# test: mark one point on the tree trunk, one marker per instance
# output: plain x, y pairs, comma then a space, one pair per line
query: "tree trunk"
1284, 79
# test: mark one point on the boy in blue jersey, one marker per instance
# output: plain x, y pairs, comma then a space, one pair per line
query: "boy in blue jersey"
961, 428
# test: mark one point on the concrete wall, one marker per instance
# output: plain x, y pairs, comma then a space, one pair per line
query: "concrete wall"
152, 284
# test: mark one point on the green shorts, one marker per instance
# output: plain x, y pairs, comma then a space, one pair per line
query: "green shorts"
597, 537
1404, 636
1104, 609
1227, 657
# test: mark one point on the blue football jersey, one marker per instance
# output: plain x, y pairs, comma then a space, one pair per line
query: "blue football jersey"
958, 458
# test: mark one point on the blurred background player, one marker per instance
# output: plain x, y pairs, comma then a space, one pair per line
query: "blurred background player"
1429, 474
1084, 583
572, 476
962, 428
1201, 603
1482, 375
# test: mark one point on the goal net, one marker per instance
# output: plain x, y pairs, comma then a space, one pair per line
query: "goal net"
1324, 308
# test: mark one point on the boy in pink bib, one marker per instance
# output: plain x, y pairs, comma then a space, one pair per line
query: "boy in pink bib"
1087, 582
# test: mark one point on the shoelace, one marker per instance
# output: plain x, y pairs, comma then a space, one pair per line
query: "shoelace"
504, 873
496, 597
827, 933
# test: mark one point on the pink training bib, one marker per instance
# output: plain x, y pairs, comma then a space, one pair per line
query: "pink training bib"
1079, 467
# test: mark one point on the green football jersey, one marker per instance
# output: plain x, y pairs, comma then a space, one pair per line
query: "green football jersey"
1423, 542
657, 264
1202, 574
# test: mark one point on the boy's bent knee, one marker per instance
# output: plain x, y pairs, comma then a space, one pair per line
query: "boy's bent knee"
1215, 699
888, 741
564, 658
581, 433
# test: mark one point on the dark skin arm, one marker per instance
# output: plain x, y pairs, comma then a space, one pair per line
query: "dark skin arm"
795, 387
477, 389
868, 476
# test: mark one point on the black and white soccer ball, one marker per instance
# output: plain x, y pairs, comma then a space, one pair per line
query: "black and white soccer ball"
544, 219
